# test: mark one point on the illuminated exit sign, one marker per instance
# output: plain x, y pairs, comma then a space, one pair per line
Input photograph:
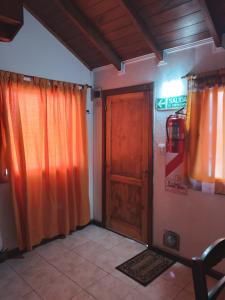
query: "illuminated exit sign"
171, 102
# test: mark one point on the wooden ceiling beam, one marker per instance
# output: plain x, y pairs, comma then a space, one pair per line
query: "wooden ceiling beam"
80, 21
209, 22
141, 27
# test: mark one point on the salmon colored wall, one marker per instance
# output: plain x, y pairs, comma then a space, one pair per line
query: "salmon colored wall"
199, 218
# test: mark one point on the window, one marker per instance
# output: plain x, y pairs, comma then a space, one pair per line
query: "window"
206, 134
220, 149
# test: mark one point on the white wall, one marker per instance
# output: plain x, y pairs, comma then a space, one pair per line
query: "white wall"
35, 51
199, 218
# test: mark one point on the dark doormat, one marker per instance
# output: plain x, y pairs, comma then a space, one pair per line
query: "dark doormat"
145, 266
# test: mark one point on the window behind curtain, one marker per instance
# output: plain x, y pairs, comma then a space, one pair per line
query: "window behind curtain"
220, 143
46, 139
206, 134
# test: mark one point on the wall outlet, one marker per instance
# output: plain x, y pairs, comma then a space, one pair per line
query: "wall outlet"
97, 93
171, 240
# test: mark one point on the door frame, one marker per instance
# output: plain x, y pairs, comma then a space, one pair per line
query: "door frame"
148, 87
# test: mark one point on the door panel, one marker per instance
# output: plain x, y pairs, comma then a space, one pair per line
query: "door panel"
126, 203
125, 112
127, 164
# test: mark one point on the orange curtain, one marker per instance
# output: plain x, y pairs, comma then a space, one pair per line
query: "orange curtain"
206, 131
46, 137
3, 148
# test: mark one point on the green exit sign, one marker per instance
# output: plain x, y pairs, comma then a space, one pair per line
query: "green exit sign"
171, 102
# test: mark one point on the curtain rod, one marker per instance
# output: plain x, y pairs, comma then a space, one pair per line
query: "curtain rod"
205, 74
79, 84
29, 77
189, 76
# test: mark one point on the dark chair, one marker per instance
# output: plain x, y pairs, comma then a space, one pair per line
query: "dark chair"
201, 265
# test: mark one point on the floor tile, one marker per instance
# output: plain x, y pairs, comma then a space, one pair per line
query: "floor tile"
210, 283
82, 267
60, 288
222, 295
25, 261
86, 274
178, 274
72, 241
83, 296
160, 289
109, 288
110, 240
126, 279
189, 287
90, 250
7, 274
128, 248
67, 261
51, 250
92, 232
40, 275
14, 288
30, 296
184, 295
108, 261
136, 295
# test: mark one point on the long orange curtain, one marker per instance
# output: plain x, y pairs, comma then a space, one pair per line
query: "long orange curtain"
46, 140
206, 130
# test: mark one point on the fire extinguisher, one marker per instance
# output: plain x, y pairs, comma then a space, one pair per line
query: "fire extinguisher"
175, 130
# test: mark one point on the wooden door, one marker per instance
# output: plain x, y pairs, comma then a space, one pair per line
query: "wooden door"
128, 164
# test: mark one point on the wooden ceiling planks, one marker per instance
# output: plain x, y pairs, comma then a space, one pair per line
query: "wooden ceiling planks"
157, 7
120, 33
134, 52
179, 23
171, 14
175, 22
97, 8
210, 22
86, 27
140, 26
185, 40
109, 16
88, 4
127, 29
217, 12
115, 26
182, 32
133, 39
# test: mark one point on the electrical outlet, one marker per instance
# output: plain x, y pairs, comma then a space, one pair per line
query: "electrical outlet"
171, 240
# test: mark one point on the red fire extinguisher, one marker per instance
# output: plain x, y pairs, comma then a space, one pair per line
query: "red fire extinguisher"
175, 129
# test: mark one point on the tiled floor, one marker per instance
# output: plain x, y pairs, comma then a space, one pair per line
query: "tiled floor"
82, 267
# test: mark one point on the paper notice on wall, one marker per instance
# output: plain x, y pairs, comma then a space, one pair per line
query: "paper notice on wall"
175, 179
208, 188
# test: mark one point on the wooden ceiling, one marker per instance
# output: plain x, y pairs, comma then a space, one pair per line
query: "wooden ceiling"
101, 32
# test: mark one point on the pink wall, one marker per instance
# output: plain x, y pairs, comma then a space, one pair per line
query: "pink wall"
199, 218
